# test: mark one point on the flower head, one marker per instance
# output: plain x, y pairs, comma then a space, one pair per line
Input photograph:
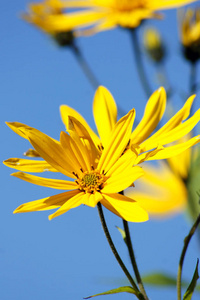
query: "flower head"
51, 17
125, 13
97, 176
102, 166
190, 33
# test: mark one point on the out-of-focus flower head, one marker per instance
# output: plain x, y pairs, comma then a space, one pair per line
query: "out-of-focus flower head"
51, 17
190, 33
153, 44
171, 186
125, 13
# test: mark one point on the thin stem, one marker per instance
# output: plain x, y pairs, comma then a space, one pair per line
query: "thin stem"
193, 74
180, 267
112, 246
133, 260
85, 67
139, 63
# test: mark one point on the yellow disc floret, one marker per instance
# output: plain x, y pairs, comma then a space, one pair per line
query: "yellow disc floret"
91, 181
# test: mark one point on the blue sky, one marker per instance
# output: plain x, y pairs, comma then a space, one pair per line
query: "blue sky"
68, 257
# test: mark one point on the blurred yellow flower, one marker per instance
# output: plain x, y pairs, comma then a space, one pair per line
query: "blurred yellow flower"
96, 177
124, 13
162, 190
50, 16
190, 33
153, 44
171, 186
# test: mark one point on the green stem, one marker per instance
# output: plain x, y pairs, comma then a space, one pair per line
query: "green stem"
193, 74
180, 267
85, 67
133, 260
112, 246
139, 63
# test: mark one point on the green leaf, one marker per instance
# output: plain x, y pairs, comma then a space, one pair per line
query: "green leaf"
123, 234
159, 279
122, 289
162, 279
188, 294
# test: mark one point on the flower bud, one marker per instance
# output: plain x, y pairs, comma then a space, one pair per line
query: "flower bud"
153, 44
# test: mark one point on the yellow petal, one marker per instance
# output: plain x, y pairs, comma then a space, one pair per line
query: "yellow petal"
124, 207
27, 165
91, 199
16, 127
50, 150
71, 203
120, 137
51, 183
67, 111
120, 181
105, 113
152, 115
72, 151
172, 135
167, 4
51, 202
175, 150
75, 125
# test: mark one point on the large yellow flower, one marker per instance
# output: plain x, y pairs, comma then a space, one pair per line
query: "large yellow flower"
110, 159
190, 33
97, 176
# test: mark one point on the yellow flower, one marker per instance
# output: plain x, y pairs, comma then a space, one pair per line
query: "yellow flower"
153, 44
110, 159
190, 33
96, 176
124, 13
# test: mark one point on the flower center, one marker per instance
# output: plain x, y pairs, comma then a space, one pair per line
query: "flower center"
91, 182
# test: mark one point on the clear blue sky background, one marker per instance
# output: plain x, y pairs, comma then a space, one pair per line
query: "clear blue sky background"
68, 257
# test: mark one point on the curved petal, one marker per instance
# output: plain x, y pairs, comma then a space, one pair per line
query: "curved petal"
51, 183
124, 207
153, 113
51, 202
67, 111
120, 137
105, 113
174, 150
27, 165
120, 181
71, 203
